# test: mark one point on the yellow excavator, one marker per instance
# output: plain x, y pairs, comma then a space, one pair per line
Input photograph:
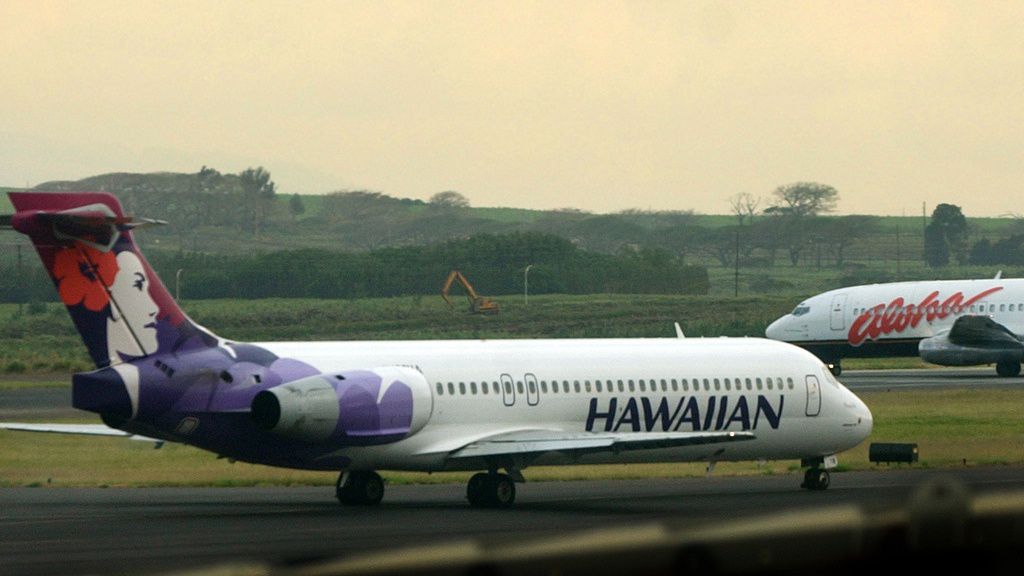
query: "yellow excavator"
477, 303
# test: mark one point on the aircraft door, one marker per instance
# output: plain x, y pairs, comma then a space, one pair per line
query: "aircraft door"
838, 321
532, 390
813, 396
508, 390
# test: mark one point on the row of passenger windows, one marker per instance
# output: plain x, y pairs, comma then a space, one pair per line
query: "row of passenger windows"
563, 386
946, 309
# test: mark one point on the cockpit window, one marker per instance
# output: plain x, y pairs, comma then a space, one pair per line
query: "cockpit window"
801, 310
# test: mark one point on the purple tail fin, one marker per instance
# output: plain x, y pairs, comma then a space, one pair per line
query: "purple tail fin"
119, 305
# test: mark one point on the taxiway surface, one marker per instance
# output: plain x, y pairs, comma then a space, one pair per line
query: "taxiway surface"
131, 531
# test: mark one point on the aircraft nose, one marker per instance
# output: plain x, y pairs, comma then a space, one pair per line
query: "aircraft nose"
775, 329
865, 421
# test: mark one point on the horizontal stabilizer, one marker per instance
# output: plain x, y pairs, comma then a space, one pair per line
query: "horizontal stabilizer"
80, 429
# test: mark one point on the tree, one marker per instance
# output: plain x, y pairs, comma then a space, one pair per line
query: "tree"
449, 199
945, 235
296, 206
744, 206
803, 199
258, 195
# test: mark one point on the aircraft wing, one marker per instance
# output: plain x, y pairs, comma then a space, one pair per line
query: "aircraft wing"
81, 429
541, 441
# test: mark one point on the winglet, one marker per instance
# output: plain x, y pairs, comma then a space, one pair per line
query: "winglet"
679, 330
998, 275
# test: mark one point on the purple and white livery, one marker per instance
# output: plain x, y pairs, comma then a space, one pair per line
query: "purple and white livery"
357, 407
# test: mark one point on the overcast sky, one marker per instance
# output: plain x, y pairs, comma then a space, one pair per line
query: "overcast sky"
597, 105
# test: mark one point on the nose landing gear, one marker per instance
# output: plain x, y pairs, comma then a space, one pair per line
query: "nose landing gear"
816, 479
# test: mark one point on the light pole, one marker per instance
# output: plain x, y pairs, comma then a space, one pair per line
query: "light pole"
526, 285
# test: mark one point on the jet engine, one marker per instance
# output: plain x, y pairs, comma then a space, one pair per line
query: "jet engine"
360, 407
971, 341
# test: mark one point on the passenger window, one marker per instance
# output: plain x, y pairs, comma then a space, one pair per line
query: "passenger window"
632, 386
544, 386
440, 389
533, 386
621, 387
1002, 307
508, 387
664, 385
1011, 307
770, 386
717, 384
643, 387
707, 385
462, 388
485, 388
790, 381
497, 388
759, 383
586, 385
749, 387
519, 386
686, 385
565, 386
451, 388
472, 388
597, 384
728, 384
576, 386
675, 385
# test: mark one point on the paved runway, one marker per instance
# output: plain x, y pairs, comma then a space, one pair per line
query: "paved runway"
121, 531
928, 378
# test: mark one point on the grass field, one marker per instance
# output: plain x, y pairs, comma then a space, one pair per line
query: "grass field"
959, 427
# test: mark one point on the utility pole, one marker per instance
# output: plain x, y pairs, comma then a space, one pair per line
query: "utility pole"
736, 267
21, 283
899, 275
526, 285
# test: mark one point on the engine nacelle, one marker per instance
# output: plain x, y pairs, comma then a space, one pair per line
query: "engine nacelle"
939, 350
359, 407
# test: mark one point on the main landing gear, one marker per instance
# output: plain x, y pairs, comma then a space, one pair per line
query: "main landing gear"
359, 488
1008, 369
491, 490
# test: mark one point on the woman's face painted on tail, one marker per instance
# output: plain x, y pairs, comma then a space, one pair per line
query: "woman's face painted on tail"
133, 311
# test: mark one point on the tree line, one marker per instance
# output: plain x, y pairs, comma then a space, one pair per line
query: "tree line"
495, 264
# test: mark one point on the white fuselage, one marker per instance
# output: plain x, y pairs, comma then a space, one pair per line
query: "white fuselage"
856, 319
485, 387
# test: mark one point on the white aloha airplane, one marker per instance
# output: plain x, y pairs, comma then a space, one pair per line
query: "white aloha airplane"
358, 407
946, 322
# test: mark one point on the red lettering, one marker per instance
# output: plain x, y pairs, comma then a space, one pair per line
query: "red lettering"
897, 317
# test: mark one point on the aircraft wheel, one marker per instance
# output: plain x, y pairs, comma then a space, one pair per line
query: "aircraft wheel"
476, 490
360, 488
1008, 369
491, 491
816, 479
835, 367
501, 491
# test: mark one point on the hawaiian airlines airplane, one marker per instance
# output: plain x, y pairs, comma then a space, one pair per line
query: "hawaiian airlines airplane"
357, 407
947, 322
